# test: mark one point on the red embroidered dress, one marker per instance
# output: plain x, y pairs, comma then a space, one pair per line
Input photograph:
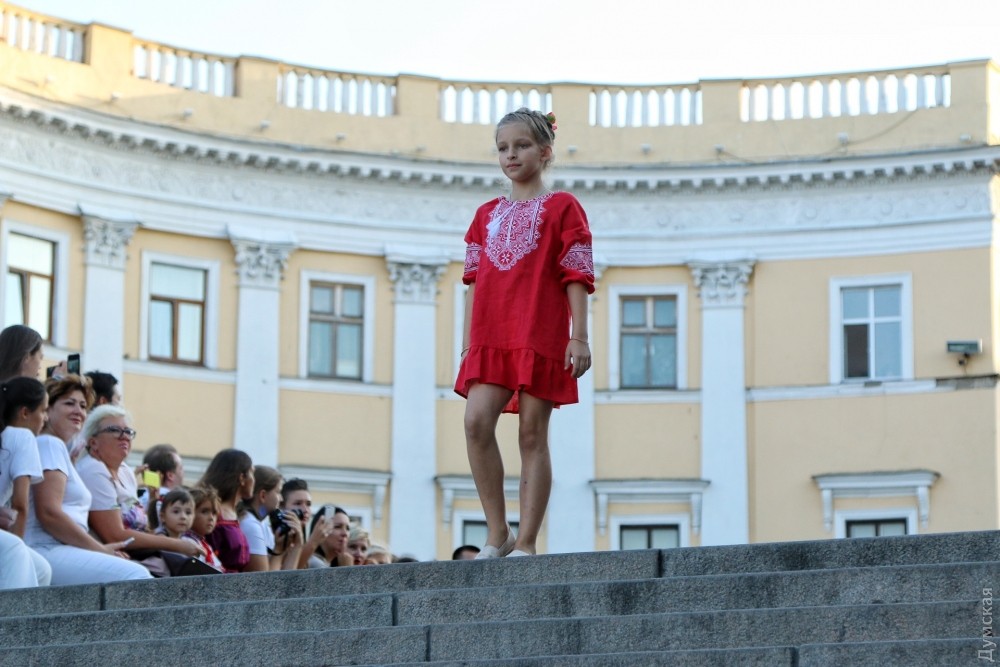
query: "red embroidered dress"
520, 311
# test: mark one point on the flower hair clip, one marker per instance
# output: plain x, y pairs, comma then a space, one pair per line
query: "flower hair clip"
550, 118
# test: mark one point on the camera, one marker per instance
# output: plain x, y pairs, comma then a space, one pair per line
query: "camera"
279, 523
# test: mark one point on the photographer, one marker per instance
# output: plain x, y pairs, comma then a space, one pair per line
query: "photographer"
274, 535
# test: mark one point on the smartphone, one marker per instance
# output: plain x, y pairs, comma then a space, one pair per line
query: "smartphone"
151, 479
73, 364
49, 371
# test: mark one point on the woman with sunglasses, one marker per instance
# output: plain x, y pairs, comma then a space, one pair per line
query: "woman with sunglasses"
57, 516
116, 514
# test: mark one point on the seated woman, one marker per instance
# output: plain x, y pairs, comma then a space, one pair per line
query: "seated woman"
272, 547
116, 514
57, 516
23, 403
332, 552
230, 473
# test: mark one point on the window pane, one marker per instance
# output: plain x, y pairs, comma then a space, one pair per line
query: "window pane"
352, 301
349, 350
855, 303
13, 305
30, 254
177, 282
633, 313
887, 301
40, 300
474, 532
888, 349
665, 313
633, 360
665, 537
161, 329
321, 300
892, 528
320, 348
189, 332
663, 360
861, 529
856, 350
634, 538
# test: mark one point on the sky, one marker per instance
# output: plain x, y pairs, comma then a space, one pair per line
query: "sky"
597, 41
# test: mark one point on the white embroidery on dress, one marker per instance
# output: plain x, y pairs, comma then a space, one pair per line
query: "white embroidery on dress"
579, 257
517, 224
472, 257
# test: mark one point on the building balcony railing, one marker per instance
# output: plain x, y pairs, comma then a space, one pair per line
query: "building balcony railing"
431, 118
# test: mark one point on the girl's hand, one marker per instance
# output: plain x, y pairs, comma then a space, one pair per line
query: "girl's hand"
8, 517
117, 549
294, 535
320, 532
577, 356
189, 548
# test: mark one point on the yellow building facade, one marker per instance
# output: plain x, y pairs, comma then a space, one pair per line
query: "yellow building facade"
794, 329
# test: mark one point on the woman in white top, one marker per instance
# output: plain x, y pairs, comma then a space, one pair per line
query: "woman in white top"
23, 404
57, 520
116, 514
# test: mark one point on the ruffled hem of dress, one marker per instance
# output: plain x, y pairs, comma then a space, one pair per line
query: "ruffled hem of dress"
517, 370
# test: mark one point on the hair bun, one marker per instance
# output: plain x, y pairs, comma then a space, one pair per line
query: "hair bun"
550, 118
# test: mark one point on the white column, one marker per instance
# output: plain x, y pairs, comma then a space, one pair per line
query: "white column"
571, 521
412, 507
726, 506
105, 242
260, 265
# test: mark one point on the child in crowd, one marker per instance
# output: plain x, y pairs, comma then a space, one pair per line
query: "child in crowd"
206, 515
378, 555
275, 538
176, 515
358, 544
529, 267
231, 474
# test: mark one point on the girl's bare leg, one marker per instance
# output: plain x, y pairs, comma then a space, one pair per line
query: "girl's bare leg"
483, 406
536, 468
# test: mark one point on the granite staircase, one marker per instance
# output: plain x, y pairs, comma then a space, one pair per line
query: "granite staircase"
916, 601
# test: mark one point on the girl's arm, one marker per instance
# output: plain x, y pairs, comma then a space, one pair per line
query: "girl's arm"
319, 533
289, 547
258, 563
19, 503
108, 526
578, 348
48, 498
467, 324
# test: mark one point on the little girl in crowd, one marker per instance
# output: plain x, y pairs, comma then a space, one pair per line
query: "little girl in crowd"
529, 267
206, 515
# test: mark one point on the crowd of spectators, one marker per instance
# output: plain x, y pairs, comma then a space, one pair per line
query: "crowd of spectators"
73, 511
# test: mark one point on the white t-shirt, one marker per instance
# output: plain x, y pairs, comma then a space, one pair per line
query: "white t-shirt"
117, 492
18, 458
53, 455
258, 532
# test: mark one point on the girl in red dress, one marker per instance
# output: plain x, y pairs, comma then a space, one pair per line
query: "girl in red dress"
529, 267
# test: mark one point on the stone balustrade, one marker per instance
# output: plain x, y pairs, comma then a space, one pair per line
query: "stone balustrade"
30, 31
181, 68
853, 94
422, 117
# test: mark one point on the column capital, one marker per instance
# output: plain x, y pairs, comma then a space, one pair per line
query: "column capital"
415, 277
722, 284
261, 263
105, 240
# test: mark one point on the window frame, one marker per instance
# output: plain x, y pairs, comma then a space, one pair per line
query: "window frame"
210, 317
907, 514
616, 293
836, 333
59, 326
616, 523
367, 284
459, 517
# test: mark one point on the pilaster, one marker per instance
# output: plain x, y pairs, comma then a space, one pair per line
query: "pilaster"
722, 287
260, 264
412, 501
105, 247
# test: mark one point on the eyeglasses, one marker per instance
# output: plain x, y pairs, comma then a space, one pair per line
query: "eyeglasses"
119, 431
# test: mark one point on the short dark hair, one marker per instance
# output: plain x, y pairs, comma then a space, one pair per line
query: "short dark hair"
457, 553
160, 458
16, 343
103, 384
294, 484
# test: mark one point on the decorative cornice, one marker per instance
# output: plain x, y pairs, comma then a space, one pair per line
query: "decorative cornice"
464, 487
138, 136
722, 284
876, 484
106, 240
649, 490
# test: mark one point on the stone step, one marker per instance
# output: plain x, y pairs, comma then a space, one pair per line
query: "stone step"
732, 630
918, 653
549, 569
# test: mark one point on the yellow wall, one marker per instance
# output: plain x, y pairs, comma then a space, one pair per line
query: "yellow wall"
667, 444
195, 417
335, 430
